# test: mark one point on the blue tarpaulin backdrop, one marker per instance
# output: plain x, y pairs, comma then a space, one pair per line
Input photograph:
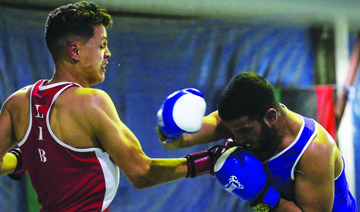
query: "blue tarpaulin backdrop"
151, 58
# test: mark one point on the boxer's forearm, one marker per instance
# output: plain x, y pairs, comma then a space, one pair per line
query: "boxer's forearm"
162, 171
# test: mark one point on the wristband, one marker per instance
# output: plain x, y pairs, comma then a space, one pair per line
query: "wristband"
267, 201
198, 163
19, 164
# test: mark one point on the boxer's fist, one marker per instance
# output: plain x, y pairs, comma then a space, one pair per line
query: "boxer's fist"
181, 112
241, 173
203, 162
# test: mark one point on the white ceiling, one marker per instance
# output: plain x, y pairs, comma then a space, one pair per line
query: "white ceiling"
303, 11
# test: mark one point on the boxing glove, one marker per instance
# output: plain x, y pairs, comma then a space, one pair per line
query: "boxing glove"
181, 112
241, 173
203, 162
19, 171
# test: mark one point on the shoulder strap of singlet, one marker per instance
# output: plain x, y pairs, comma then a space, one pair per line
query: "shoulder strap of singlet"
307, 136
38, 86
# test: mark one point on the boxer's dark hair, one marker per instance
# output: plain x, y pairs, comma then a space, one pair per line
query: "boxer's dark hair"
76, 19
247, 94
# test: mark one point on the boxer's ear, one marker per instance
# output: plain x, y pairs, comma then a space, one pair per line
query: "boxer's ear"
270, 117
73, 50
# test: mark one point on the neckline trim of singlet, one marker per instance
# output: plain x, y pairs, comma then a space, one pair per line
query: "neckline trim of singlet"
44, 87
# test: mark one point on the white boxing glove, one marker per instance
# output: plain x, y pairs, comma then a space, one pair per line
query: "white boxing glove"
181, 112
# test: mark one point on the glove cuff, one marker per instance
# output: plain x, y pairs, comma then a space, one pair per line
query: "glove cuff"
267, 201
198, 163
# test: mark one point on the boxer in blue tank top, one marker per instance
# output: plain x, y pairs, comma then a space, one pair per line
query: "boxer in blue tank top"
281, 170
301, 160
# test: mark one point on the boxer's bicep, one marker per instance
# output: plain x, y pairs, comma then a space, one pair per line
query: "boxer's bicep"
116, 138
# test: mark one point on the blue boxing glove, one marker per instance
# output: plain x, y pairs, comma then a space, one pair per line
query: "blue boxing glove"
241, 173
181, 112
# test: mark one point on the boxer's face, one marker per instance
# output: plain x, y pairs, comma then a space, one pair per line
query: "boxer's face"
94, 56
250, 133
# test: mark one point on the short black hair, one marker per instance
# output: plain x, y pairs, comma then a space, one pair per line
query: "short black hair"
247, 94
76, 19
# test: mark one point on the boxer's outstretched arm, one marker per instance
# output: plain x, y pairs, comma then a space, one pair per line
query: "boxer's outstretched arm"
212, 129
125, 149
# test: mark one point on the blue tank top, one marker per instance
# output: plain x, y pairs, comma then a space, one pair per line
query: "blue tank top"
281, 168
